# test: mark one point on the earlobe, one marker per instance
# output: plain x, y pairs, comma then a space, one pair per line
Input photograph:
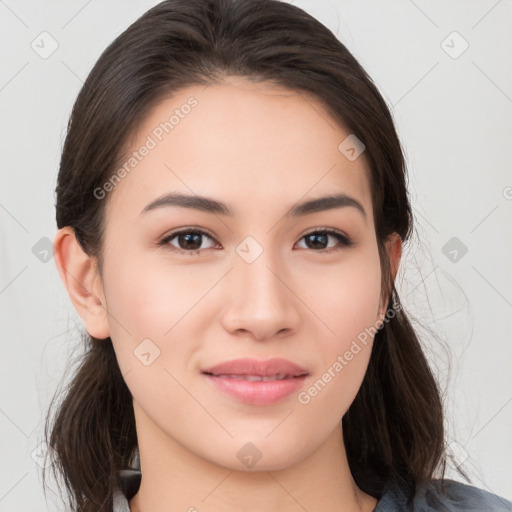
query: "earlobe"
79, 273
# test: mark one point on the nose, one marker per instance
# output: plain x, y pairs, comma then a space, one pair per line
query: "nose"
259, 298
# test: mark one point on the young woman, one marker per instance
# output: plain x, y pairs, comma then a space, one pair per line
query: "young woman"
231, 205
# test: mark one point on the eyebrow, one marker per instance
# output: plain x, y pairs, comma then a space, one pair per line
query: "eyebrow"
208, 205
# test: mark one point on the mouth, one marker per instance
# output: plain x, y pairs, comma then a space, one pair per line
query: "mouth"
275, 367
257, 382
257, 378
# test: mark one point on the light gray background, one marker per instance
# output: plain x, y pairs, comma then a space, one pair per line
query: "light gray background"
454, 118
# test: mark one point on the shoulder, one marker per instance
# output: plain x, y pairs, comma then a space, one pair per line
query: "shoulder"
451, 495
441, 496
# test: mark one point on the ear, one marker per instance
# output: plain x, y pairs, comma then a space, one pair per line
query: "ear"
81, 277
394, 251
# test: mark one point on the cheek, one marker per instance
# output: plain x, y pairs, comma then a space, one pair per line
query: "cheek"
346, 298
153, 307
149, 296
148, 307
347, 304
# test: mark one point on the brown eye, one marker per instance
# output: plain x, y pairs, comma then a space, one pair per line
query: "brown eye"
319, 240
187, 241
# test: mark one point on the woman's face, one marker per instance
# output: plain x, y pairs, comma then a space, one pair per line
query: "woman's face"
254, 287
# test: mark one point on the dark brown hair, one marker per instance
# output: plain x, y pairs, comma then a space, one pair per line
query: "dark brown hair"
394, 428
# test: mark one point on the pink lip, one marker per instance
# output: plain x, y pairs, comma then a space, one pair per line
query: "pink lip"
257, 392
250, 366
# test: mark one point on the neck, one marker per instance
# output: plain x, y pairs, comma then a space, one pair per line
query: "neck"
173, 478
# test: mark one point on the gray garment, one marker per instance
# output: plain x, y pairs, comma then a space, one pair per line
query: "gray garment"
443, 496
432, 496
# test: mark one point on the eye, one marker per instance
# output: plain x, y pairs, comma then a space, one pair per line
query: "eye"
320, 238
188, 240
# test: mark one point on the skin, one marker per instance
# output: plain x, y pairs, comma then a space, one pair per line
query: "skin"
260, 149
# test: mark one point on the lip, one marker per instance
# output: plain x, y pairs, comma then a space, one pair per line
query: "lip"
249, 366
257, 392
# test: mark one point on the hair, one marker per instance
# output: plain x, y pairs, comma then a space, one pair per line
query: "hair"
394, 428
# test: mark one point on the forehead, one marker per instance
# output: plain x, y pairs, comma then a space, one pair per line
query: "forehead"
248, 144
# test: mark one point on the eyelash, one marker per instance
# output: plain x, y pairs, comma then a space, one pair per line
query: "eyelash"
344, 241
